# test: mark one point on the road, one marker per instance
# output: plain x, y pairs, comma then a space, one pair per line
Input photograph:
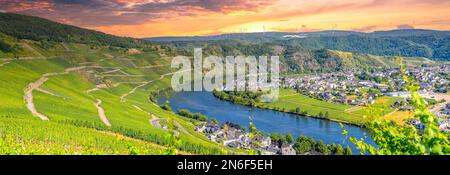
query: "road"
155, 121
438, 96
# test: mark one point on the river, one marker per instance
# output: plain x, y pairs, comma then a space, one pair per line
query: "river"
268, 121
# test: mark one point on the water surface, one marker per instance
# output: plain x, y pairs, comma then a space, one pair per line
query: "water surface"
268, 121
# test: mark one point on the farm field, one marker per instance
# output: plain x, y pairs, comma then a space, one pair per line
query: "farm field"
289, 100
399, 116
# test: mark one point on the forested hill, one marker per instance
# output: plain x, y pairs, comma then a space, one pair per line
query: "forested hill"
39, 29
409, 43
293, 59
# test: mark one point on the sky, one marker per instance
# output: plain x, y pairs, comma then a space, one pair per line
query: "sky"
152, 18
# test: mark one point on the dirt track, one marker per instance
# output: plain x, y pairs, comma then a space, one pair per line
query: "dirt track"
36, 85
122, 98
5, 63
29, 97
101, 113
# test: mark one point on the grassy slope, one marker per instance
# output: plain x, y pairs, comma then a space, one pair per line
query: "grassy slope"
353, 60
71, 108
24, 134
290, 100
32, 136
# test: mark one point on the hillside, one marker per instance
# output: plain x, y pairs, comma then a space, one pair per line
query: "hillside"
78, 96
408, 43
293, 59
67, 90
39, 29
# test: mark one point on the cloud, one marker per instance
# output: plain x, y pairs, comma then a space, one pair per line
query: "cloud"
189, 17
405, 26
92, 13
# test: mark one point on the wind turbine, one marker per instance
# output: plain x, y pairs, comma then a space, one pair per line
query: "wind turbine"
264, 30
333, 28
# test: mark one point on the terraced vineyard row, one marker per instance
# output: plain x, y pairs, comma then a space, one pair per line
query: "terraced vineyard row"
90, 92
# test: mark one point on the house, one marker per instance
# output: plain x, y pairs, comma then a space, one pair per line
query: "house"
264, 141
212, 137
444, 126
340, 100
416, 123
420, 126
211, 127
232, 144
413, 121
382, 87
446, 111
272, 149
287, 149
370, 100
406, 108
396, 104
313, 152
351, 102
366, 84
403, 94
200, 128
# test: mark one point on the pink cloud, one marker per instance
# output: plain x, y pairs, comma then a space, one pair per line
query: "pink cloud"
115, 12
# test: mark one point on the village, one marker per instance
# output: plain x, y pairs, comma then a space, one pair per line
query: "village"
356, 87
231, 135
352, 87
362, 88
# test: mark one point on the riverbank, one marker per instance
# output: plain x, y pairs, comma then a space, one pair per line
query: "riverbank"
292, 102
268, 121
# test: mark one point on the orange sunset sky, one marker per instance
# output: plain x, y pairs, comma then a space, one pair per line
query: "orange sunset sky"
150, 18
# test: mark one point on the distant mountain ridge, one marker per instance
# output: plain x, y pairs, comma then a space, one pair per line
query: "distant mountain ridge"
399, 32
407, 42
293, 59
299, 52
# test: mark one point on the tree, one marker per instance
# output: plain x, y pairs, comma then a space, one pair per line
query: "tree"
396, 140
200, 117
320, 115
303, 145
5, 47
184, 113
254, 132
327, 114
215, 121
278, 138
339, 150
304, 112
289, 138
166, 107
348, 151
321, 148
39, 29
